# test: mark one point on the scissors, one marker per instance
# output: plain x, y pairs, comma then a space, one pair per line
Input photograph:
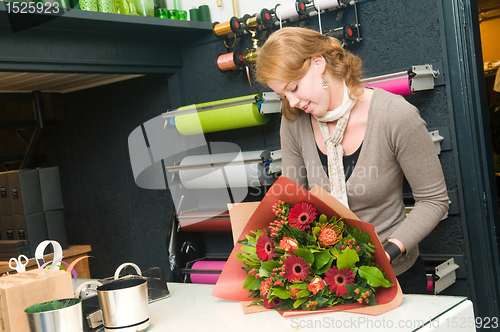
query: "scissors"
20, 266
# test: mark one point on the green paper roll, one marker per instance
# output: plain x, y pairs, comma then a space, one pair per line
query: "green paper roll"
205, 13
234, 117
194, 14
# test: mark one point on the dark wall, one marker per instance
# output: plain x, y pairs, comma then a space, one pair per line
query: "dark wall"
103, 206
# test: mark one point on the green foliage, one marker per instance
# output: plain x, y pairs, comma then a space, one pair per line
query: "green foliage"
306, 254
348, 259
252, 283
295, 233
321, 258
374, 276
358, 235
280, 292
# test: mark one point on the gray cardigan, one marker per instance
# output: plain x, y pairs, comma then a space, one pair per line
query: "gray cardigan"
396, 145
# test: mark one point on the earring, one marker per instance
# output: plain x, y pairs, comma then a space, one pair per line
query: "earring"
324, 82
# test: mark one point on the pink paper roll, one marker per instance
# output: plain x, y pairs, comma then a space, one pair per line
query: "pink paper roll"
400, 86
208, 278
430, 286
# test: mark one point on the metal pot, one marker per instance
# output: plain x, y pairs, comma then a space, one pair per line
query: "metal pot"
68, 319
124, 304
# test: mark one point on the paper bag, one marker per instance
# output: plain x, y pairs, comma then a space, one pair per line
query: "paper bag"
19, 291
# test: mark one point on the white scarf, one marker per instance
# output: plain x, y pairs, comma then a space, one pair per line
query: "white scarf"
334, 149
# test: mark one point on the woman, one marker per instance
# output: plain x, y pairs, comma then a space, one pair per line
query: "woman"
355, 142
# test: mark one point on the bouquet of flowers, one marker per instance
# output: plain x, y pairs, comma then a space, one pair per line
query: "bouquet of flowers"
308, 261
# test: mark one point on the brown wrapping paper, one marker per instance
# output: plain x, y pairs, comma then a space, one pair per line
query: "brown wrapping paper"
19, 291
252, 216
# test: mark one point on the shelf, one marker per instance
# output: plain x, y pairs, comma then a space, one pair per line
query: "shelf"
86, 22
91, 42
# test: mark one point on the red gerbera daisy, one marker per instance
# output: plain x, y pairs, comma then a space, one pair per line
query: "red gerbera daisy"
265, 248
296, 268
274, 303
338, 279
302, 215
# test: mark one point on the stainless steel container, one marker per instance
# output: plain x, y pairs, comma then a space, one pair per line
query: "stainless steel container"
67, 319
124, 305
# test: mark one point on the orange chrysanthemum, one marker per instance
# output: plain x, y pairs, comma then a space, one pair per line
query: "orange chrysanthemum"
329, 235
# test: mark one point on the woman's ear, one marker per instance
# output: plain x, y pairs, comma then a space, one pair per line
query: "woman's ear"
319, 62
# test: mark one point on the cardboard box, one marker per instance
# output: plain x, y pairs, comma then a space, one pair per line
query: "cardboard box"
31, 227
5, 196
19, 291
50, 186
56, 227
25, 191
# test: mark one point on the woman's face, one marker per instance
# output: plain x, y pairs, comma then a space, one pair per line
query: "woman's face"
306, 93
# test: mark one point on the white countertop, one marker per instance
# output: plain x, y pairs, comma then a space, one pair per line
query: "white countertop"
190, 307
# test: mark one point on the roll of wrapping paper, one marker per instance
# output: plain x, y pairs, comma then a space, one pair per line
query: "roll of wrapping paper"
400, 86
205, 222
207, 278
233, 117
229, 170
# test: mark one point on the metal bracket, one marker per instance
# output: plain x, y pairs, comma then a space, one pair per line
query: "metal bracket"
270, 103
437, 139
424, 77
446, 274
275, 165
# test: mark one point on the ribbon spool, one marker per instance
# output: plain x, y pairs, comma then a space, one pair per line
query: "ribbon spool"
231, 61
265, 18
302, 6
285, 12
348, 32
328, 4
234, 25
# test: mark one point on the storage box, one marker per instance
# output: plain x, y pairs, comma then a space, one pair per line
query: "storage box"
50, 185
5, 196
19, 291
8, 228
25, 191
13, 248
31, 227
56, 227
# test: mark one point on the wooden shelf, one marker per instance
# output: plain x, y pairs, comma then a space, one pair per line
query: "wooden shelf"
69, 255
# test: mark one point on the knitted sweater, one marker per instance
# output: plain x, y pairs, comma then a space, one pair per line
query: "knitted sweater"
396, 145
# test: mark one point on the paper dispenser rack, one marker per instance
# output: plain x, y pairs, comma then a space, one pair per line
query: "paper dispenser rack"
225, 170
